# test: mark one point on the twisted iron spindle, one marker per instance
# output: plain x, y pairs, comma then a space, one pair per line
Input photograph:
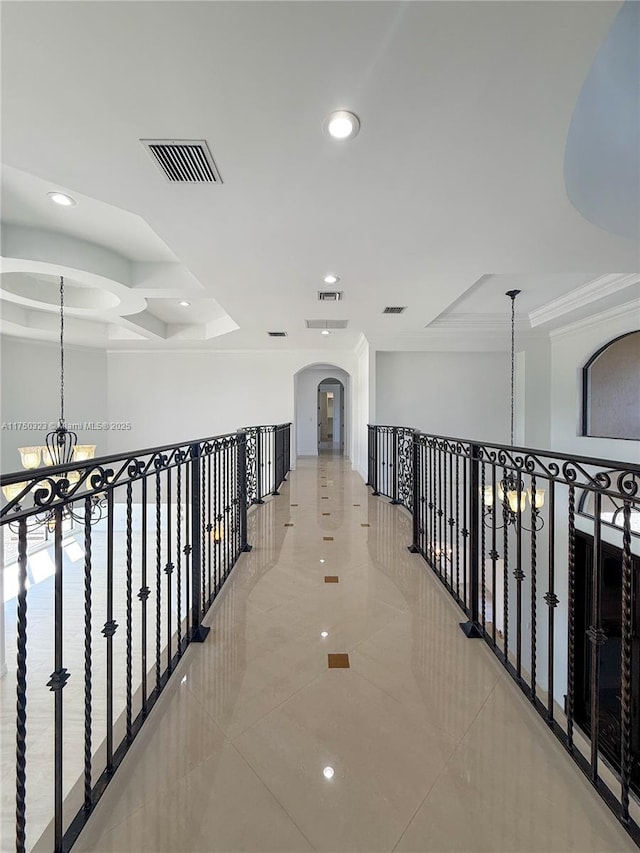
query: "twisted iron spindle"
88, 697
626, 757
21, 691
534, 590
571, 617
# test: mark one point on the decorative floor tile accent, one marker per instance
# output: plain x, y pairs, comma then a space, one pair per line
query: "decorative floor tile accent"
293, 504
365, 524
328, 538
339, 661
289, 524
326, 513
354, 504
324, 499
331, 579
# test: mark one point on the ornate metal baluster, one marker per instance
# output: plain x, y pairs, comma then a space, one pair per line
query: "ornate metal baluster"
505, 573
21, 691
158, 580
129, 570
108, 632
483, 555
534, 591
143, 594
626, 756
179, 555
551, 599
571, 616
519, 576
493, 554
168, 570
87, 655
596, 634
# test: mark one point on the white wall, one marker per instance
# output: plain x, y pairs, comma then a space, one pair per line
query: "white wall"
175, 396
463, 395
363, 405
31, 393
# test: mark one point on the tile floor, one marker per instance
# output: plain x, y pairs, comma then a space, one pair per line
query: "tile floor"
422, 744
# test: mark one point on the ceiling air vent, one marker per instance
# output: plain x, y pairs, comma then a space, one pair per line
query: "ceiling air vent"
394, 309
327, 324
186, 161
329, 295
277, 334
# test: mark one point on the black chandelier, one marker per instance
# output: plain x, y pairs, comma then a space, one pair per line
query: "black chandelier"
511, 492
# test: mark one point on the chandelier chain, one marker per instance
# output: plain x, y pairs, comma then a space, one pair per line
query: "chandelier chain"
513, 364
61, 351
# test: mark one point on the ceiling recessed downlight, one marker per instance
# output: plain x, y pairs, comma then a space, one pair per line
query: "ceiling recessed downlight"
62, 199
330, 278
325, 332
328, 772
183, 303
342, 125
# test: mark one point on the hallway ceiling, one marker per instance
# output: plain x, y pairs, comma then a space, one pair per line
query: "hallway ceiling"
452, 190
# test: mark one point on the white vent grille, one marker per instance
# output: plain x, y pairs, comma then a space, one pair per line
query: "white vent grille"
395, 309
277, 334
329, 295
184, 160
327, 324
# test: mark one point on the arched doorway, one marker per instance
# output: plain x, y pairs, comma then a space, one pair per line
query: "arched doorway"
331, 416
307, 383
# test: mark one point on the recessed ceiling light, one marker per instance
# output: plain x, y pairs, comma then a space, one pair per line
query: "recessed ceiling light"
331, 279
61, 198
328, 772
183, 303
324, 633
342, 125
325, 332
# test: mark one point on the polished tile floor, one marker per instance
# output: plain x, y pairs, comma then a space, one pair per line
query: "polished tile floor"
421, 743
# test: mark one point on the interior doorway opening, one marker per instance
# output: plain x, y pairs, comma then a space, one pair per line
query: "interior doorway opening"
331, 398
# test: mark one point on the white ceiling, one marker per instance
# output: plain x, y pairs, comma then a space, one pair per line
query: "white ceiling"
452, 192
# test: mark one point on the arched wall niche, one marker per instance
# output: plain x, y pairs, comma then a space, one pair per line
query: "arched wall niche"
611, 390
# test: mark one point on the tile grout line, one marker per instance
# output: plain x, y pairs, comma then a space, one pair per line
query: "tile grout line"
264, 784
445, 766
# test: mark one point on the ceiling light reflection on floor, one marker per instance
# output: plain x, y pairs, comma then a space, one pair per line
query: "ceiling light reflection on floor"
328, 772
324, 633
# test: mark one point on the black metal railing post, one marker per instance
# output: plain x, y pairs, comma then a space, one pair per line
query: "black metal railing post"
259, 499
394, 464
242, 490
376, 461
415, 490
198, 630
471, 627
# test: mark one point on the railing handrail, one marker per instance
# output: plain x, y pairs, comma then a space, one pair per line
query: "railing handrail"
54, 470
526, 451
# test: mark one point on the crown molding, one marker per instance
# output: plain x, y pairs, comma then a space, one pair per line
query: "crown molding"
629, 310
476, 322
597, 288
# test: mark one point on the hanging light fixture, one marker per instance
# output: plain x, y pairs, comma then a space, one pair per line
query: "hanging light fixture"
61, 442
512, 494
61, 447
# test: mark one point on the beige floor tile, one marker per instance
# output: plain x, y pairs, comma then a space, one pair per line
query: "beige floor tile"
383, 764
517, 789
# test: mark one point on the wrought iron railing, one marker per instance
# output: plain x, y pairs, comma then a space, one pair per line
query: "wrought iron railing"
139, 546
268, 455
541, 551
